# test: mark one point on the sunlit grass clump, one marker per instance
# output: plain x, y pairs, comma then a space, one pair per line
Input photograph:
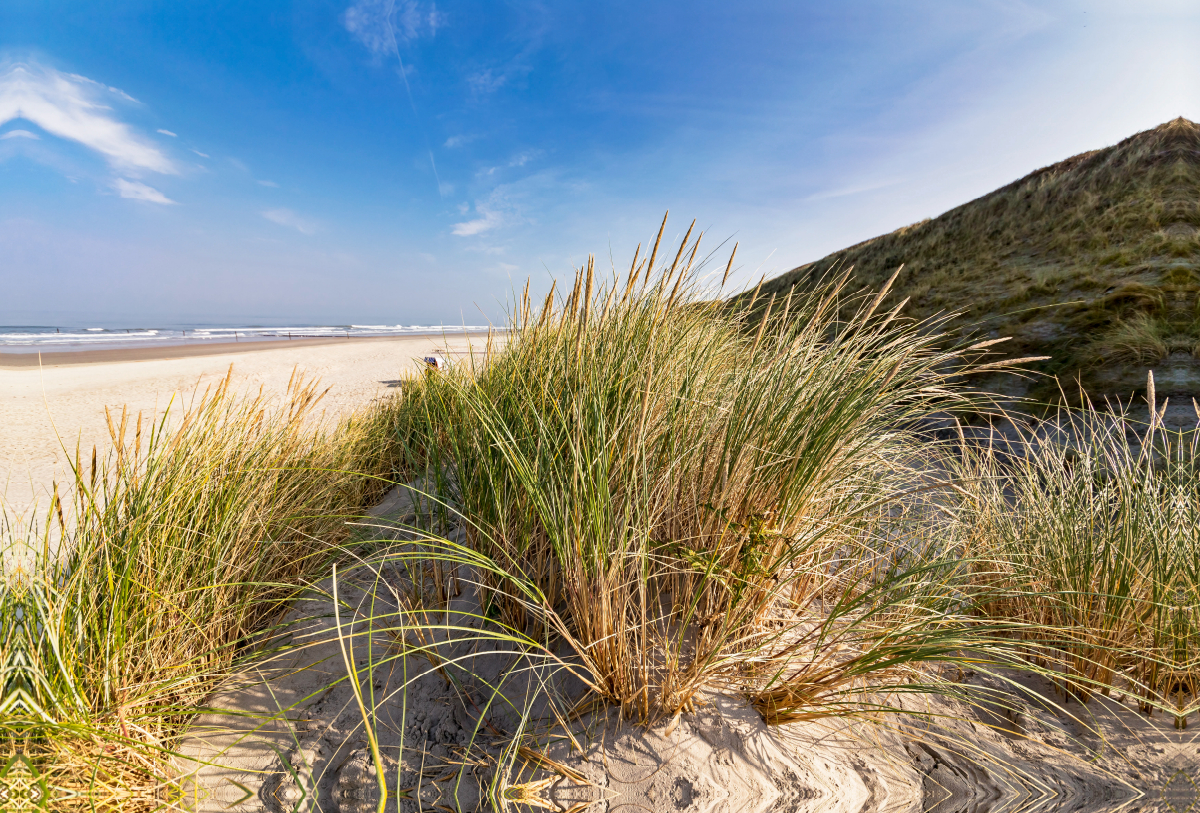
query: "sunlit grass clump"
699, 493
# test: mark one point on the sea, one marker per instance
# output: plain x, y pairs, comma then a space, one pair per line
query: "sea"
51, 338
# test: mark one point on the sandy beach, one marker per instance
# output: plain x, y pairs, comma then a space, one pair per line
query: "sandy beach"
62, 402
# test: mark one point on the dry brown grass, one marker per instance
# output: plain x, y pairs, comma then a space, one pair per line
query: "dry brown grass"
1141, 339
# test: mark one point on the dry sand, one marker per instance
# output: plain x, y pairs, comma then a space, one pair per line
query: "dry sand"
62, 402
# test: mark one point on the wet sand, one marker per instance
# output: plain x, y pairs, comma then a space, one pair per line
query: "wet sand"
25, 359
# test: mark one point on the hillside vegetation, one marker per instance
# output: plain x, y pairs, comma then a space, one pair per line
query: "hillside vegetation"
1092, 261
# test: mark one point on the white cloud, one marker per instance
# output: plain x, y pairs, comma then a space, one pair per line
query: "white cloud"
73, 107
518, 160
21, 134
847, 191
116, 91
469, 228
286, 217
271, 184
202, 154
435, 19
167, 133
139, 191
524, 158
486, 82
382, 24
491, 213
512, 204
456, 141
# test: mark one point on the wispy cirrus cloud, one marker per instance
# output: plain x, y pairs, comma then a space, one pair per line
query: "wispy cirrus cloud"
20, 134
517, 161
75, 108
382, 24
133, 190
855, 189
486, 81
523, 158
494, 212
515, 204
286, 217
490, 218
167, 133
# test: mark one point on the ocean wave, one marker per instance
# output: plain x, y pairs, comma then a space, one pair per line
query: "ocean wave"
35, 337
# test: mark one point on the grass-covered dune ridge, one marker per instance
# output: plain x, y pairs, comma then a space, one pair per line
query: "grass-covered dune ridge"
1091, 261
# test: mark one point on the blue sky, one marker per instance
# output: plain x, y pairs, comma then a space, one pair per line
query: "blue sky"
401, 161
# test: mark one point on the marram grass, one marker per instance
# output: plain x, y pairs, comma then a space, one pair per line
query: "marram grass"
686, 486
1094, 541
175, 553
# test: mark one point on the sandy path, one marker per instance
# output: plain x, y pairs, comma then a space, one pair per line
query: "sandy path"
71, 397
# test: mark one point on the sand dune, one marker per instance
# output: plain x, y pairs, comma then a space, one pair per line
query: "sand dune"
43, 410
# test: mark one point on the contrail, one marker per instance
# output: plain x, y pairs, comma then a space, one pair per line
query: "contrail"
391, 7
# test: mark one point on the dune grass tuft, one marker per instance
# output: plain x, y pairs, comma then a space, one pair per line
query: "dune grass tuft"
1094, 540
178, 551
698, 496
